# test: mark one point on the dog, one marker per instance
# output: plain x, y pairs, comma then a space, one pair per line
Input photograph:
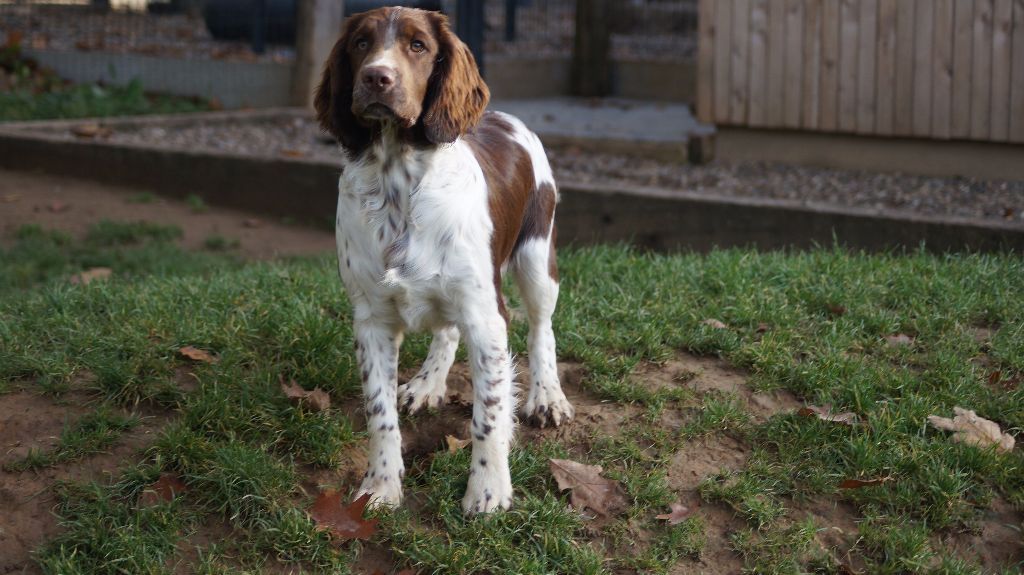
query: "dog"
437, 199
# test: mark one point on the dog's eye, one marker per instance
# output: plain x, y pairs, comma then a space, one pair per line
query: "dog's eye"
362, 44
417, 46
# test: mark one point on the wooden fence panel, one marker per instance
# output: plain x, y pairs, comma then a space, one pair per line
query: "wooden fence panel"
1002, 22
776, 62
794, 62
886, 83
740, 73
943, 69
963, 60
758, 61
812, 65
904, 94
1017, 82
830, 65
981, 74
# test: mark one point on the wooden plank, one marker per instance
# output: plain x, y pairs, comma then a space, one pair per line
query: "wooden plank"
706, 61
981, 74
740, 71
923, 39
1002, 22
868, 46
794, 62
849, 30
963, 46
723, 59
830, 65
886, 77
1017, 82
758, 61
811, 100
942, 69
904, 104
776, 62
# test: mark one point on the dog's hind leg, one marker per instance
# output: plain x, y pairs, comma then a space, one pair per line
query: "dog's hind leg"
536, 274
427, 388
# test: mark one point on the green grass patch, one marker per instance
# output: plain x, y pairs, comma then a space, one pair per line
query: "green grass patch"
242, 448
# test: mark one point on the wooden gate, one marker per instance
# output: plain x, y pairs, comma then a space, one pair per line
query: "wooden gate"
942, 69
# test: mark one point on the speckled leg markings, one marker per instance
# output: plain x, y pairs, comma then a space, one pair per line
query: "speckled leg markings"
428, 387
490, 483
377, 355
545, 401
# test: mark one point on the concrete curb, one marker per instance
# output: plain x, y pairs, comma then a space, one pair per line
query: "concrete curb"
658, 219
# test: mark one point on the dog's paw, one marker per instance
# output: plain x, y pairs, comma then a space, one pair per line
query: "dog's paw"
384, 491
489, 489
419, 393
547, 404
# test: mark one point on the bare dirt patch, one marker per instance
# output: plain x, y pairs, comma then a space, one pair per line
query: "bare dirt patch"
73, 205
31, 421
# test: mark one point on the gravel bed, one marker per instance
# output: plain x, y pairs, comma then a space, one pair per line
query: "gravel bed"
997, 200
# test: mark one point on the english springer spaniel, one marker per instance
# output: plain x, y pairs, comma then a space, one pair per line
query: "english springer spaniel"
437, 199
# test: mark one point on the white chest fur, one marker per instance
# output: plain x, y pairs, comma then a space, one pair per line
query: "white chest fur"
413, 234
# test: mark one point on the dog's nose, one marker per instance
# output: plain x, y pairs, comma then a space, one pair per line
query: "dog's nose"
379, 78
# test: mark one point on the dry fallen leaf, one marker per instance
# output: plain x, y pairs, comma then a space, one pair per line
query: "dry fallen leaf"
899, 339
824, 413
455, 444
762, 328
973, 430
836, 310
87, 276
589, 489
91, 130
57, 207
342, 522
289, 153
163, 489
678, 514
714, 323
196, 354
858, 483
317, 399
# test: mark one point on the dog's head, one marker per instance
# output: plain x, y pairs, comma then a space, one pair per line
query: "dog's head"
404, 67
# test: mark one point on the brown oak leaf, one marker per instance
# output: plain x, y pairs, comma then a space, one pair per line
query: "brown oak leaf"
678, 514
824, 413
858, 483
971, 429
588, 488
836, 310
196, 354
343, 523
163, 489
455, 444
714, 323
317, 399
91, 274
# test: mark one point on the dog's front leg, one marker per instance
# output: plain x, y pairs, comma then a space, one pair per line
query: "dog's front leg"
377, 353
490, 483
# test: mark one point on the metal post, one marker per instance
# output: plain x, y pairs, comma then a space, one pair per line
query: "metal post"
511, 7
469, 25
259, 26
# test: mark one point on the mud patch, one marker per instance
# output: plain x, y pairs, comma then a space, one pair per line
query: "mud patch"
995, 542
29, 420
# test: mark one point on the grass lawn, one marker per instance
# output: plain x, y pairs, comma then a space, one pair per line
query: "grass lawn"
30, 92
802, 328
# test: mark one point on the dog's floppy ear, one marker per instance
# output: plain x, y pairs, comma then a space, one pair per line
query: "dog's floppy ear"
333, 100
457, 95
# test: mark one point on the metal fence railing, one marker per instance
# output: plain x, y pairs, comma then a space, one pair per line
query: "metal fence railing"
642, 29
